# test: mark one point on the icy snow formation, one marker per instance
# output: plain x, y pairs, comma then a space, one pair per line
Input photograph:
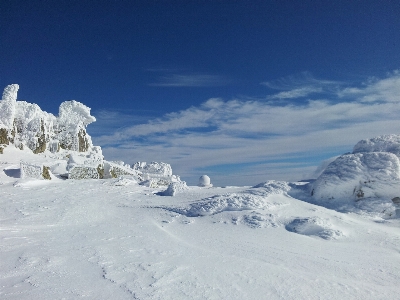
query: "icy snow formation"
153, 169
65, 139
26, 125
156, 174
371, 172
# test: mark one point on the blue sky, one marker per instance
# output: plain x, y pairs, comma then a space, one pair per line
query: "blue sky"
243, 91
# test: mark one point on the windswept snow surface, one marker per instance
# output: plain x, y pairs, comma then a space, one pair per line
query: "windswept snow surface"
116, 239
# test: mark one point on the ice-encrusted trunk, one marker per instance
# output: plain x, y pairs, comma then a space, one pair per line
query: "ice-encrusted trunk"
7, 114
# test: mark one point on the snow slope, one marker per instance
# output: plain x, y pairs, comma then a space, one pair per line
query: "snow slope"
116, 239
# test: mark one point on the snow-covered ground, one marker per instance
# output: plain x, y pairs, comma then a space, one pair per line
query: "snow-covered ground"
116, 239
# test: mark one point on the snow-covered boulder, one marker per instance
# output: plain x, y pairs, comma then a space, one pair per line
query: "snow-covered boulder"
36, 171
156, 174
85, 166
154, 169
174, 188
371, 172
84, 172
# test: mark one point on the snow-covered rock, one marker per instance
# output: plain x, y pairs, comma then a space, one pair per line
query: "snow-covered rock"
36, 171
156, 174
154, 169
371, 172
118, 169
84, 172
174, 188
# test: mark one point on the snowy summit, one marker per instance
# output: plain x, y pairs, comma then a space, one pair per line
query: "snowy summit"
75, 225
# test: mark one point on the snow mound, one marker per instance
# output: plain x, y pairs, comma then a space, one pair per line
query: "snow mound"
228, 202
255, 198
259, 220
314, 226
368, 178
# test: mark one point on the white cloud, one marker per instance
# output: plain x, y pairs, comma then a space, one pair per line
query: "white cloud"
296, 93
300, 85
384, 90
258, 134
190, 80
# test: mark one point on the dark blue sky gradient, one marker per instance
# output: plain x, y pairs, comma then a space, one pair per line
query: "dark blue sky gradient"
107, 54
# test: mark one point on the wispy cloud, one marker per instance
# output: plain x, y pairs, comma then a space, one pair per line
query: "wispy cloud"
259, 133
190, 80
300, 85
376, 90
